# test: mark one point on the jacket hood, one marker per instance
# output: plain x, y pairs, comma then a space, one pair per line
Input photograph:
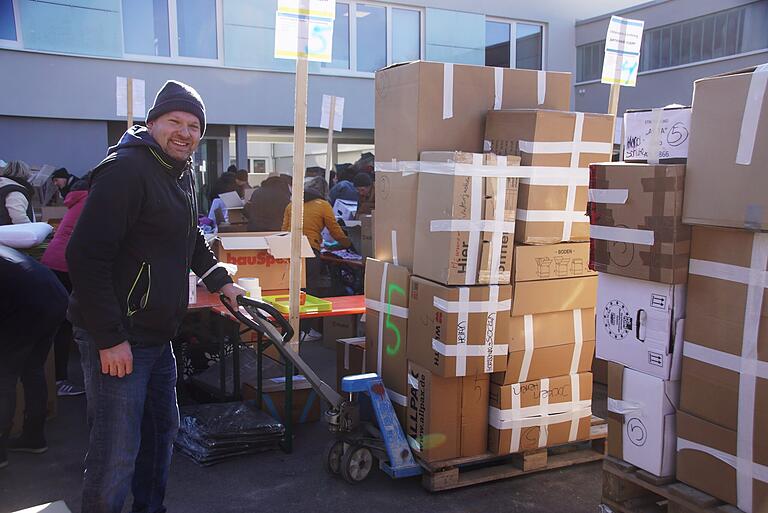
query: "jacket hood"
138, 136
315, 188
74, 197
6, 180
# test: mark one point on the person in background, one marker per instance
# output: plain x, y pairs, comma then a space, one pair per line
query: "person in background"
366, 163
344, 189
129, 259
226, 183
314, 171
63, 181
32, 306
54, 258
266, 208
241, 182
16, 194
367, 200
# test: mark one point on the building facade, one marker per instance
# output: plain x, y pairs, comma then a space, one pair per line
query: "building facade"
683, 40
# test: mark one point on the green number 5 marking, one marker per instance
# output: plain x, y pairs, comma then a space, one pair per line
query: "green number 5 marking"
392, 351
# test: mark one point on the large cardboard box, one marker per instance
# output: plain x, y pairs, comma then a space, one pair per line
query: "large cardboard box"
639, 323
430, 106
553, 261
394, 226
636, 222
551, 203
458, 331
263, 255
664, 132
350, 358
549, 344
541, 413
306, 403
387, 289
725, 353
552, 329
465, 222
708, 455
447, 417
641, 419
726, 181
339, 326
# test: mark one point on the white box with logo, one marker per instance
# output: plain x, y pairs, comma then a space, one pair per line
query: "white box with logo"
637, 323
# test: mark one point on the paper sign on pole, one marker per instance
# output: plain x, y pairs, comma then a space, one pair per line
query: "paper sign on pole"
304, 29
622, 51
338, 115
671, 133
139, 104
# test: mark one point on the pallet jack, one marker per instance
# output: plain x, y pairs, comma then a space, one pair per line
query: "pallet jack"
356, 444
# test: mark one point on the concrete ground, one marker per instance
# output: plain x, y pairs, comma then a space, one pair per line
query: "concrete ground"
278, 482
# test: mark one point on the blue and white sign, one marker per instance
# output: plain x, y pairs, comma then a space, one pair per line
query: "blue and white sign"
622, 51
304, 29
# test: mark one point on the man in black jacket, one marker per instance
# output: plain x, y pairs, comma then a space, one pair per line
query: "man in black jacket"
129, 259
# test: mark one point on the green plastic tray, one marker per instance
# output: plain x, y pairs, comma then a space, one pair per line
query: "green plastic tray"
311, 305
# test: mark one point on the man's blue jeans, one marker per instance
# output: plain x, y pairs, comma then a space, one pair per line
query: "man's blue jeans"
133, 422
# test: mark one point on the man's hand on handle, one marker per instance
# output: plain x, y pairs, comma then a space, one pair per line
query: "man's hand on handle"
117, 360
231, 291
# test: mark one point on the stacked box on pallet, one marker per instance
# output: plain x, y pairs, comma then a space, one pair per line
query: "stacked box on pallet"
640, 248
435, 107
552, 331
723, 418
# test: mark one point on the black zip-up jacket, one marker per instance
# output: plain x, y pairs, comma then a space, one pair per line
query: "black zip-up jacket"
136, 239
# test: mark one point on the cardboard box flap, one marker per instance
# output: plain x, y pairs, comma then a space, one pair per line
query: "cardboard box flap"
278, 384
280, 246
244, 242
356, 341
742, 71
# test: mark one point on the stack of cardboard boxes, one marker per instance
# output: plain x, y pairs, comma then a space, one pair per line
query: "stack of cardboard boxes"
640, 248
544, 396
445, 213
722, 446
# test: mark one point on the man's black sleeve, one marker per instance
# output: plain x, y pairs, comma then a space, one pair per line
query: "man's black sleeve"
112, 208
204, 264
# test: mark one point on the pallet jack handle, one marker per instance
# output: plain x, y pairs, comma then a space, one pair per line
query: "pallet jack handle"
261, 317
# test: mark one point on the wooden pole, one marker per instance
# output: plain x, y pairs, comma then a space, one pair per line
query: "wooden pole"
613, 109
129, 99
329, 157
297, 201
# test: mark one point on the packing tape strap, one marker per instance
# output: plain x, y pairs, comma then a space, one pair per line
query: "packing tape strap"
543, 402
394, 247
752, 110
541, 86
469, 350
475, 214
381, 307
578, 335
525, 367
380, 330
576, 397
609, 196
397, 398
568, 176
412, 381
498, 88
720, 359
499, 223
756, 470
520, 413
544, 420
471, 306
490, 332
570, 147
654, 141
618, 234
623, 407
728, 272
561, 216
447, 91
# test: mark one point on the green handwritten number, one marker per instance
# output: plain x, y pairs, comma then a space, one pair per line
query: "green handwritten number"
392, 351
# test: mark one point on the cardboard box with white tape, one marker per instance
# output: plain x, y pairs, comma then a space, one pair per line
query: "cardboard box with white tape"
636, 221
465, 221
560, 146
458, 331
639, 322
725, 182
447, 417
541, 413
551, 262
641, 419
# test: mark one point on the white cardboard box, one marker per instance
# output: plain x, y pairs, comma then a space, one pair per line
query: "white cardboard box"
648, 431
636, 323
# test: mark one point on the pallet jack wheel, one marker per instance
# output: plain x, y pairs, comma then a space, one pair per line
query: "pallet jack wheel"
356, 463
332, 457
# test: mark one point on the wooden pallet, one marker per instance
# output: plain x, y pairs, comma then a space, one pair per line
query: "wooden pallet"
460, 472
627, 489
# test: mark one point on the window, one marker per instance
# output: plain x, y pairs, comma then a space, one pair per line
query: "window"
406, 35
529, 45
145, 27
371, 37
340, 39
7, 20
196, 21
457, 37
721, 34
498, 45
